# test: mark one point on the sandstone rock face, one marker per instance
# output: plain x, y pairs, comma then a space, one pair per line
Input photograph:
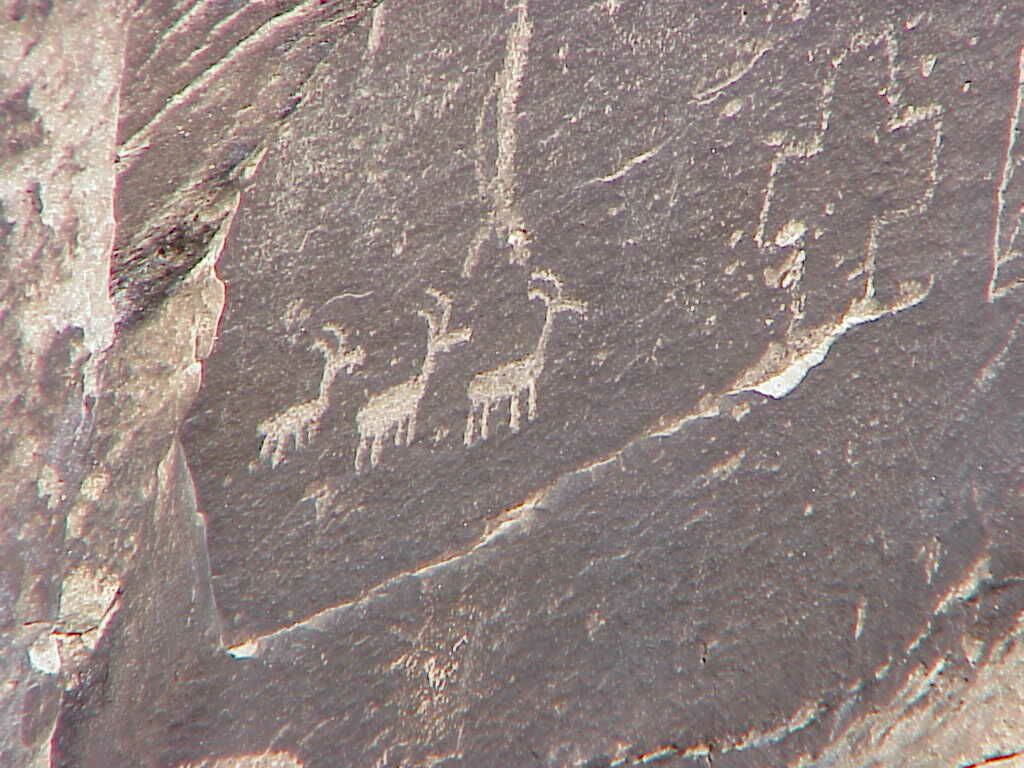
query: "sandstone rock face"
564, 384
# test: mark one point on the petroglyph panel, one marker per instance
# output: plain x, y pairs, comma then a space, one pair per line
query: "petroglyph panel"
688, 291
578, 358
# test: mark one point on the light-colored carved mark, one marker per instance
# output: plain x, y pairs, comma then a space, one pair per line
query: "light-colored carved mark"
376, 33
212, 35
323, 497
860, 612
511, 380
784, 365
260, 37
300, 423
501, 189
726, 468
801, 10
1004, 247
395, 408
628, 166
508, 524
899, 117
804, 149
930, 556
738, 72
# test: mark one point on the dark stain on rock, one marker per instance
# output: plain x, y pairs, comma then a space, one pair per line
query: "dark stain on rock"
20, 126
144, 275
20, 10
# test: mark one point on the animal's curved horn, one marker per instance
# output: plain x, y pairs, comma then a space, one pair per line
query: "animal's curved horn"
339, 334
446, 307
548, 277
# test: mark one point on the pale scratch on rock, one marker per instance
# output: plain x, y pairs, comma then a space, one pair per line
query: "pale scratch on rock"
512, 521
376, 34
726, 468
707, 408
963, 590
992, 367
801, 10
860, 614
212, 34
1003, 252
298, 15
628, 166
502, 188
711, 93
757, 739
967, 587
182, 26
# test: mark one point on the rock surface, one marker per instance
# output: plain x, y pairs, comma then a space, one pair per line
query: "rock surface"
569, 384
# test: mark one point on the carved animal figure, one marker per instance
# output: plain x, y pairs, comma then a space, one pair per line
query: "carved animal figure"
300, 422
511, 380
396, 408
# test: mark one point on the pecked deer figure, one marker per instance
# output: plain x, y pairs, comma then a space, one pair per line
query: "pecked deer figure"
395, 408
301, 422
511, 380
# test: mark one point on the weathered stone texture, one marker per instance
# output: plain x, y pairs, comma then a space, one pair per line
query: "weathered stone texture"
569, 384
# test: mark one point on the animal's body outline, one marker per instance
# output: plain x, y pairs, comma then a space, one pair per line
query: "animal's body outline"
397, 407
510, 380
300, 422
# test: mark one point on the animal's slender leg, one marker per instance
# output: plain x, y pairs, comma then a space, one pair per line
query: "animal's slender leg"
484, 418
531, 401
410, 428
513, 412
376, 448
361, 453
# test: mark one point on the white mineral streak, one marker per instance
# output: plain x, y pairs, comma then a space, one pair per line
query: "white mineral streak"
783, 368
1008, 225
263, 760
57, 191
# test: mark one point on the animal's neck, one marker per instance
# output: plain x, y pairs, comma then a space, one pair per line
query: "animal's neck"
429, 363
330, 373
542, 343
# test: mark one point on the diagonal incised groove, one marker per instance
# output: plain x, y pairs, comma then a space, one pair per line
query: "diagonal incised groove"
307, 11
513, 520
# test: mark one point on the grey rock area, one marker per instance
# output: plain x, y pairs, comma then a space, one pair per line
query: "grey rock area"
511, 384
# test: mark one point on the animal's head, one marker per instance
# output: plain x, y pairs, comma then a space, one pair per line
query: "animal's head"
355, 359
440, 338
339, 350
547, 287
